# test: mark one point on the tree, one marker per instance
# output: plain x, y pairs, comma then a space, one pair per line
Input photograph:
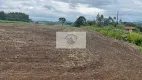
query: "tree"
81, 21
17, 16
2, 15
110, 20
90, 23
14, 16
100, 20
115, 23
62, 20
106, 21
120, 21
114, 18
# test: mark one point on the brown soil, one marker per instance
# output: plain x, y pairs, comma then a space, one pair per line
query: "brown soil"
27, 52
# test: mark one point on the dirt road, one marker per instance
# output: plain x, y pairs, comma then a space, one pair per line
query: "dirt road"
28, 52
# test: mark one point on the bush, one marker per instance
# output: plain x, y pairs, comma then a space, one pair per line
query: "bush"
135, 38
132, 37
120, 26
111, 33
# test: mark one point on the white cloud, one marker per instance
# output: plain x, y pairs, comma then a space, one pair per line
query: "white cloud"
62, 6
137, 2
85, 9
71, 9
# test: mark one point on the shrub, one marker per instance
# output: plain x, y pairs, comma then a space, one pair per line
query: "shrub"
112, 33
135, 38
132, 37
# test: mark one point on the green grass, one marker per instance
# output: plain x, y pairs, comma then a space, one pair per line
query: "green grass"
140, 48
6, 21
135, 38
110, 31
120, 33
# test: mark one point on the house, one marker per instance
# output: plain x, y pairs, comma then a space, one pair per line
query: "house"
129, 28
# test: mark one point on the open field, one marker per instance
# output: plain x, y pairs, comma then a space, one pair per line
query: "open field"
27, 52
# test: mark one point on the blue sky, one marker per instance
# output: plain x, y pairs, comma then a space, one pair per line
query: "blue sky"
51, 10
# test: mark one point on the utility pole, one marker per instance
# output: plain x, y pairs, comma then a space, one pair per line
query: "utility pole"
117, 16
116, 23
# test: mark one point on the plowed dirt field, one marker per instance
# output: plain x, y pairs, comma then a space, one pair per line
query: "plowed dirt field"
28, 52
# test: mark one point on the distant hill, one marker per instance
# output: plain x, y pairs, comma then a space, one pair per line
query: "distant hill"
67, 23
138, 23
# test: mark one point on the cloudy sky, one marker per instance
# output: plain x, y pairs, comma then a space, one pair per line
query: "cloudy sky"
51, 10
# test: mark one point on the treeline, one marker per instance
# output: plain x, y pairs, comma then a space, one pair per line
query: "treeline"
14, 16
100, 21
